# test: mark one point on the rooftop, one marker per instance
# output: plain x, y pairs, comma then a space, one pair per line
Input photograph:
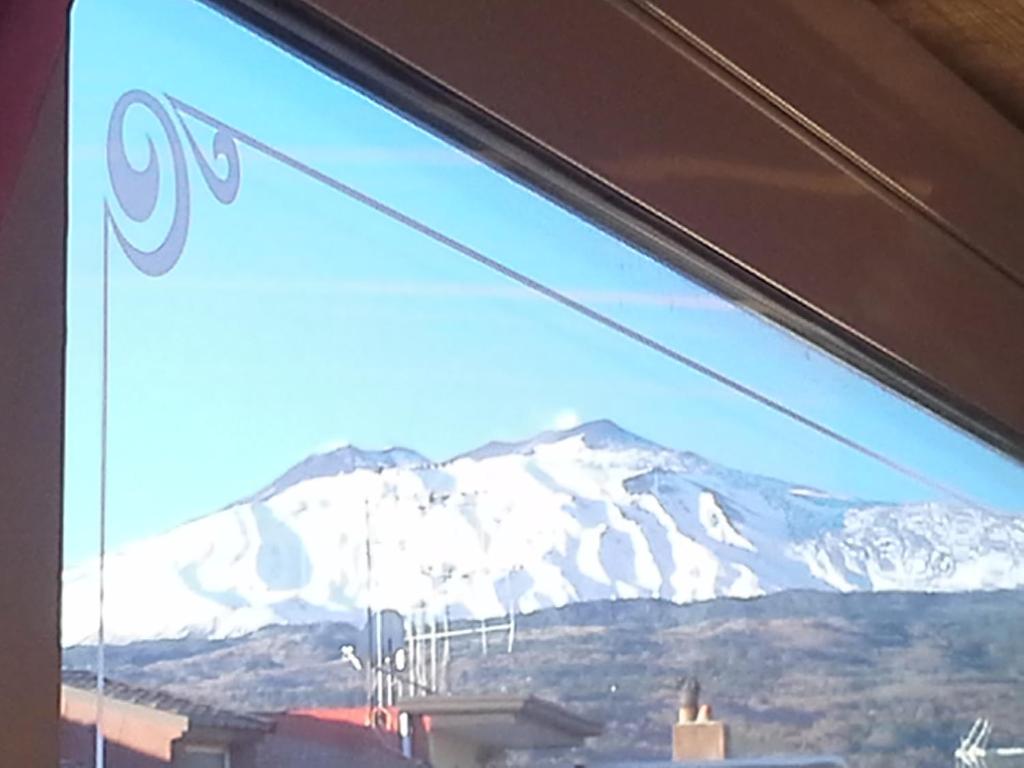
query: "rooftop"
344, 729
505, 722
201, 715
736, 762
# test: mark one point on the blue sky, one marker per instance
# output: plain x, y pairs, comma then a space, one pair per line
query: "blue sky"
297, 319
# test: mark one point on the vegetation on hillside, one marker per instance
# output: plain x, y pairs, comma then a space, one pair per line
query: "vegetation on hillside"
882, 679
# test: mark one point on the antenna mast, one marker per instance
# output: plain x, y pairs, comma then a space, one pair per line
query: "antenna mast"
427, 641
974, 748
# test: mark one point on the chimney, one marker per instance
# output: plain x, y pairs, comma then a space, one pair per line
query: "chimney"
697, 735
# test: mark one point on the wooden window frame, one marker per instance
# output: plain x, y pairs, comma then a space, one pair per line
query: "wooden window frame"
871, 202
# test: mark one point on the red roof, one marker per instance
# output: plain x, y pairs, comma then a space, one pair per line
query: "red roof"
348, 730
387, 717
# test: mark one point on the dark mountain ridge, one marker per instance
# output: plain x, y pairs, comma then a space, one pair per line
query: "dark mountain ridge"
884, 679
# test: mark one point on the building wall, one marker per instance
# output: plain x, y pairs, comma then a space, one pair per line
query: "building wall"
448, 752
700, 741
301, 741
78, 744
287, 751
282, 751
137, 737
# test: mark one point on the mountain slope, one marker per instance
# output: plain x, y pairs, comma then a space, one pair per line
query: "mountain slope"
590, 513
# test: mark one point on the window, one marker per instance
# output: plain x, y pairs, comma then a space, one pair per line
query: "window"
372, 433
197, 756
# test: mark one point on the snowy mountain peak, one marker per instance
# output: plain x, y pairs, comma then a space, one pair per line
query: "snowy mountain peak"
607, 435
340, 461
602, 434
589, 513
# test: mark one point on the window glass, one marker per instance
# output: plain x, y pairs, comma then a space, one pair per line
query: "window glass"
366, 435
201, 757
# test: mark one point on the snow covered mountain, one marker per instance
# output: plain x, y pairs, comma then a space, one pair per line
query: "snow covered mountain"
583, 514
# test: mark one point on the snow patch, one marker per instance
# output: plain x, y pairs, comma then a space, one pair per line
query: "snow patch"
717, 524
584, 514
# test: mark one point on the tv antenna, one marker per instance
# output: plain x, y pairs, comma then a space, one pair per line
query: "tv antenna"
430, 634
350, 657
415, 659
974, 748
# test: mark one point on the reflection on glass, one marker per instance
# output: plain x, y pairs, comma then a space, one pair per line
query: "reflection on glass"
399, 461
